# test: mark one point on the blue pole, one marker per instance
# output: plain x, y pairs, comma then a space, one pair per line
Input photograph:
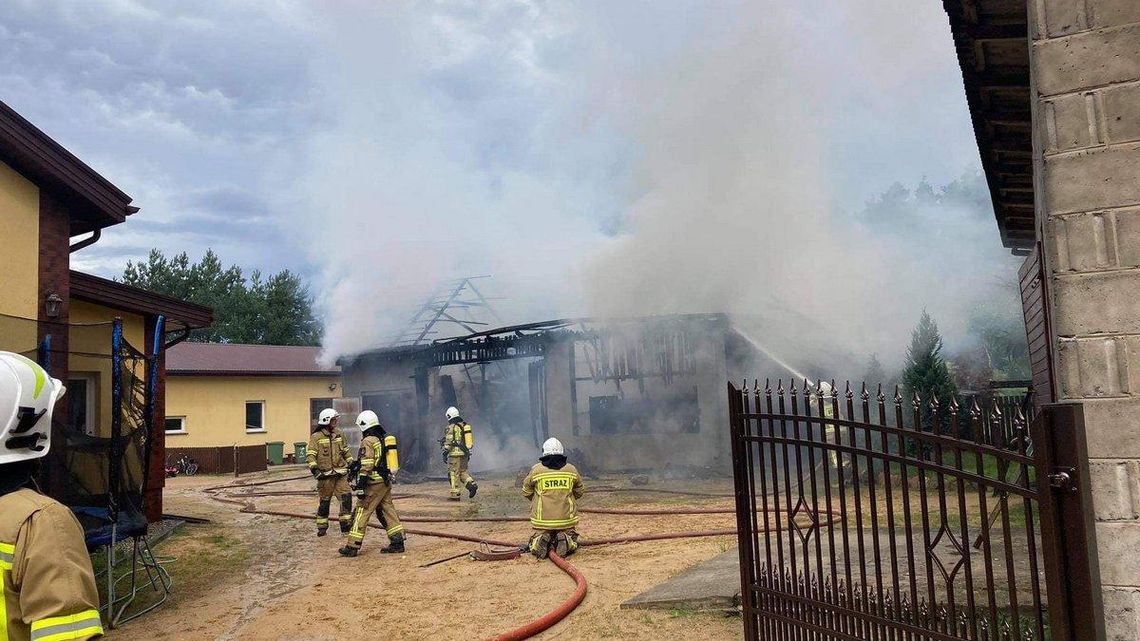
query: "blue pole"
116, 459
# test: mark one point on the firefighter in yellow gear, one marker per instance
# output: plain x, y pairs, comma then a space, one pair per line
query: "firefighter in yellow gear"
458, 443
329, 460
49, 589
553, 488
379, 460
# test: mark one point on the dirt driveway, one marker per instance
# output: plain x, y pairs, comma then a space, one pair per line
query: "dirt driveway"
249, 576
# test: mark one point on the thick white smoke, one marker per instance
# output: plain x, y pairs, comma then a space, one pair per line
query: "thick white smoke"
628, 159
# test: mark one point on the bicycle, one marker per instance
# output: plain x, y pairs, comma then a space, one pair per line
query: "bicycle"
187, 466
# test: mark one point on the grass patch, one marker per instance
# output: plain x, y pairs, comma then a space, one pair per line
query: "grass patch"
192, 556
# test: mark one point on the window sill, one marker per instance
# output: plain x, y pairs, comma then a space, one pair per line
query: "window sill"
256, 431
177, 433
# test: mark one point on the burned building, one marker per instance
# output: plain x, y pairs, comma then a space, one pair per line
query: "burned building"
608, 389
630, 394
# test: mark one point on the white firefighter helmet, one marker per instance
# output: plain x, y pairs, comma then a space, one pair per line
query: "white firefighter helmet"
452, 413
367, 419
27, 400
552, 446
327, 416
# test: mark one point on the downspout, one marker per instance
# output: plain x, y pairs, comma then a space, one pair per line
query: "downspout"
86, 242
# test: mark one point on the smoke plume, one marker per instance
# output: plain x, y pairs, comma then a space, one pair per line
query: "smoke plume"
631, 159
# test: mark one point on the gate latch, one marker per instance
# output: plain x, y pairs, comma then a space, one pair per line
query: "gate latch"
1064, 479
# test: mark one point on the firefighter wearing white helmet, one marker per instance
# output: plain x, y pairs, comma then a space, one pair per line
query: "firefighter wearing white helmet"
553, 488
379, 460
458, 443
48, 585
329, 462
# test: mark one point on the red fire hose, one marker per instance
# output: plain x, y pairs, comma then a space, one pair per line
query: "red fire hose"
566, 607
557, 614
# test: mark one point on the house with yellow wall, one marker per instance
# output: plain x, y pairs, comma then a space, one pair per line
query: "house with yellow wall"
224, 394
53, 205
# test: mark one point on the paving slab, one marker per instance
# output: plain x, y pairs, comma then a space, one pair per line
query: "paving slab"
712, 585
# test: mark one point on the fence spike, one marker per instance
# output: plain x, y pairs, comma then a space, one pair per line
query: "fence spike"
975, 409
954, 405
879, 394
916, 402
863, 394
847, 393
898, 396
933, 403
767, 387
834, 390
779, 387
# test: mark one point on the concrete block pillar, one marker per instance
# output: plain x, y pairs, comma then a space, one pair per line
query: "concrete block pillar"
1086, 101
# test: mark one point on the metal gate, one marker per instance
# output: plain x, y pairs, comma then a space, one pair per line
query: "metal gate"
867, 517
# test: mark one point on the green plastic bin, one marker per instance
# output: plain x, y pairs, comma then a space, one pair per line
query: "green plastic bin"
300, 448
276, 452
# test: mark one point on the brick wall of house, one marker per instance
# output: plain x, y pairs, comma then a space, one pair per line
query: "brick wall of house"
55, 238
1086, 75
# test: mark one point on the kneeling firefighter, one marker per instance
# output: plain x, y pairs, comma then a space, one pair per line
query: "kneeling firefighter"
329, 461
47, 587
553, 487
378, 460
457, 444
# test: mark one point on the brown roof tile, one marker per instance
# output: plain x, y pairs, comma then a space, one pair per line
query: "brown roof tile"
230, 359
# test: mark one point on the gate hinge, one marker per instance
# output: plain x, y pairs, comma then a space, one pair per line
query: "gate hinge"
1065, 479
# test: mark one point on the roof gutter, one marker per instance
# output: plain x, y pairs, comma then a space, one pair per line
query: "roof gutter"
86, 242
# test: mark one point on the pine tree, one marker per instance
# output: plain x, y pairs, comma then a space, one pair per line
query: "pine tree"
875, 374
926, 373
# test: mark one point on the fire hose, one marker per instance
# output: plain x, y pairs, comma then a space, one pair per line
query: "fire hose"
510, 550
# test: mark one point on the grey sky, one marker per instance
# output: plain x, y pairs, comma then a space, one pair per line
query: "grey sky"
400, 142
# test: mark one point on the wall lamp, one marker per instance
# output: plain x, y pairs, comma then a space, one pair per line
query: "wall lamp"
52, 303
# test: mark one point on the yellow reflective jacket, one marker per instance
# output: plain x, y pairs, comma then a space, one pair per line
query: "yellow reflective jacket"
328, 452
48, 585
458, 439
553, 495
378, 458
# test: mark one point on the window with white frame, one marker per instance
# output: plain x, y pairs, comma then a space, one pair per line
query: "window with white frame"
175, 424
255, 416
83, 389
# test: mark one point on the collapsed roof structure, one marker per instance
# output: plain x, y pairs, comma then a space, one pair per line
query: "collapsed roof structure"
628, 394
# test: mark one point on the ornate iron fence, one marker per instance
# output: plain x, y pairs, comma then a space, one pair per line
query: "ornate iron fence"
868, 517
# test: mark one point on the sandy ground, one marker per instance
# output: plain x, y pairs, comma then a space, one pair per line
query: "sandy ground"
248, 576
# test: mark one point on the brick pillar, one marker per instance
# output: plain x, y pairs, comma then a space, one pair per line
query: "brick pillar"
1086, 84
55, 236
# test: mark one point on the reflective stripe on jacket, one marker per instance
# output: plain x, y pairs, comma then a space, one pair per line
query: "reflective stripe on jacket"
49, 589
328, 452
553, 495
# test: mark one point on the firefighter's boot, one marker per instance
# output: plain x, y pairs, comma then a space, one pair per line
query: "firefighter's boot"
566, 543
395, 545
345, 513
349, 550
540, 544
472, 488
323, 517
